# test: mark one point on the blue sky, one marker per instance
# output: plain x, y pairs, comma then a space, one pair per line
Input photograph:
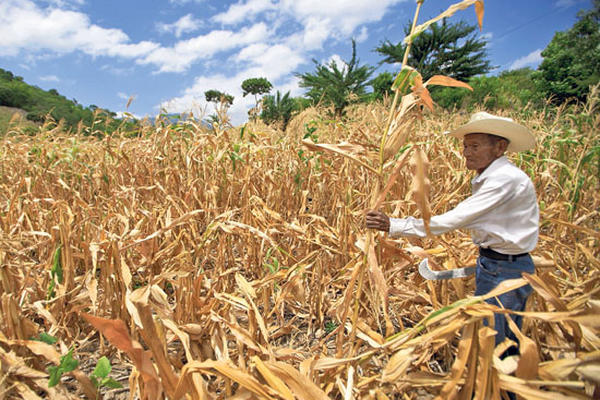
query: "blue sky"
168, 53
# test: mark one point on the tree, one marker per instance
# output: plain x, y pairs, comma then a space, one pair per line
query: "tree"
256, 86
447, 49
382, 85
278, 108
215, 96
572, 59
337, 85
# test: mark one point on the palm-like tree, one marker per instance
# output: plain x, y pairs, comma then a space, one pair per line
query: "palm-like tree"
335, 85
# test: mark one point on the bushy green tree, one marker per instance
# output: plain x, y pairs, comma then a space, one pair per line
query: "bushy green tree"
451, 49
572, 59
256, 86
215, 96
337, 85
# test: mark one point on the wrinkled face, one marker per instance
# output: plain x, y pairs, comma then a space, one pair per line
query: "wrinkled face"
480, 150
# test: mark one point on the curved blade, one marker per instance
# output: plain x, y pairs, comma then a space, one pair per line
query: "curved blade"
428, 273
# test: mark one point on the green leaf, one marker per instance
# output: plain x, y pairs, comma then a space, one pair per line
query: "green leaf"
67, 362
111, 383
55, 375
103, 368
46, 338
405, 80
56, 270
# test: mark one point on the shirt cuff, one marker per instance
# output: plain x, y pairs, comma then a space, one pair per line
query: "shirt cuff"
407, 227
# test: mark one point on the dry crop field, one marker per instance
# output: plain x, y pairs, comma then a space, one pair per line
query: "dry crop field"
230, 263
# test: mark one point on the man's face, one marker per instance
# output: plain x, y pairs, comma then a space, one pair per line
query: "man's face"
480, 150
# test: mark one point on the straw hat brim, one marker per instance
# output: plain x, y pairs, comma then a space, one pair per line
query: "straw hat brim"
519, 137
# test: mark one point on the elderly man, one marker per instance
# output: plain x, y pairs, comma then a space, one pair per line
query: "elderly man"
502, 212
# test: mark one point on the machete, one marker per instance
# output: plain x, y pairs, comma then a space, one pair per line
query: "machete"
428, 273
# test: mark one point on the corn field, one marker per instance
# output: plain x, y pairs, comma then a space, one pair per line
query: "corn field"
219, 262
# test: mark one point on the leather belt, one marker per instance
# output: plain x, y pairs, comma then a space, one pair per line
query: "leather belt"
489, 253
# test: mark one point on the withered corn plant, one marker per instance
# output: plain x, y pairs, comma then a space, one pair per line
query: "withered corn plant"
233, 263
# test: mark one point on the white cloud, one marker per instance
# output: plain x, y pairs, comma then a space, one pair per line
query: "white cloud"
363, 35
185, 24
128, 115
488, 39
340, 18
316, 32
25, 27
271, 62
49, 78
533, 58
240, 11
341, 64
341, 15
181, 56
123, 96
65, 3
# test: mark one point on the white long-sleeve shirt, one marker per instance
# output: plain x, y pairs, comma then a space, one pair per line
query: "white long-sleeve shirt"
502, 212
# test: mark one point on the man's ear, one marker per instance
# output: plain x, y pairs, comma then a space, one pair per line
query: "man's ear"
501, 146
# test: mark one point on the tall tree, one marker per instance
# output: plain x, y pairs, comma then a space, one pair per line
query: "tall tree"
450, 49
572, 59
256, 86
335, 85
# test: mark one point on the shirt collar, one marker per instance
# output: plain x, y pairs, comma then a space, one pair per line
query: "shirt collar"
495, 165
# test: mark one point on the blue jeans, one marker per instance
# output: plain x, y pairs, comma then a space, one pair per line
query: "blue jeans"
489, 274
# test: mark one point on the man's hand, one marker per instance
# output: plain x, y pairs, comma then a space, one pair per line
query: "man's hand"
378, 220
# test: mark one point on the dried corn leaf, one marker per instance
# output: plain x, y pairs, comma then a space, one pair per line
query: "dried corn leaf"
343, 149
421, 186
442, 80
483, 388
529, 360
398, 364
302, 387
276, 384
391, 180
117, 334
449, 12
222, 368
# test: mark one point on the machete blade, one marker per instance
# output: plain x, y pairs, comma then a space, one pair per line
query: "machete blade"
429, 274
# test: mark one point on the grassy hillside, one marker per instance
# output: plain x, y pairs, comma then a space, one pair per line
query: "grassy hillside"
234, 258
14, 120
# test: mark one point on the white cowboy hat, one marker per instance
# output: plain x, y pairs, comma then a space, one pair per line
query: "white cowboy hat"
519, 137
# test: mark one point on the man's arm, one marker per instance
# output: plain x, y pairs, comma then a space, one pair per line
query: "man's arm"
465, 215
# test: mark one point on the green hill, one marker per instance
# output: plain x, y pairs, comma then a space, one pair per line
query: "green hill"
39, 104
